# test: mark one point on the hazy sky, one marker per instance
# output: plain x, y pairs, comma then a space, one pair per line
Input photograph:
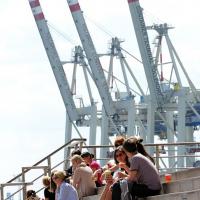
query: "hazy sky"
32, 114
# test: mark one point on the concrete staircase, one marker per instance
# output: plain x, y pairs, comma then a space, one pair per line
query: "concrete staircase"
185, 185
187, 195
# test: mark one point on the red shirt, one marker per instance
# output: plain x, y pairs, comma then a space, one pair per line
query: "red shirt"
94, 166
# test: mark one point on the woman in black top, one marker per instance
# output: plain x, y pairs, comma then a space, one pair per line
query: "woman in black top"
49, 192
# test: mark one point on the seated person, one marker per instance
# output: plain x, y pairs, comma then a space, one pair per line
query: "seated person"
120, 158
120, 190
64, 190
110, 164
31, 195
88, 158
69, 170
140, 148
49, 192
82, 178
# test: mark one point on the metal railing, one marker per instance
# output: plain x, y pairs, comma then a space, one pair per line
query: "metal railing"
164, 155
74, 143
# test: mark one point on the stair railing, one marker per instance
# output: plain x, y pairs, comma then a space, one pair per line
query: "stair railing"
74, 143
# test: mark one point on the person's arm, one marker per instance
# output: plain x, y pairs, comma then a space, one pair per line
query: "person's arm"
107, 193
124, 166
132, 175
105, 167
113, 168
121, 174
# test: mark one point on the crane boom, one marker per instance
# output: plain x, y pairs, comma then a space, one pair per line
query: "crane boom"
54, 60
143, 42
92, 56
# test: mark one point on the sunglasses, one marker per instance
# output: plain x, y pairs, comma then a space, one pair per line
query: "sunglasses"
119, 155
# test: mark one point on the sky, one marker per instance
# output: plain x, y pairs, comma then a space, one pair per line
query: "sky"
32, 113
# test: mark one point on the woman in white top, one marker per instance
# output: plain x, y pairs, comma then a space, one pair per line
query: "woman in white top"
120, 171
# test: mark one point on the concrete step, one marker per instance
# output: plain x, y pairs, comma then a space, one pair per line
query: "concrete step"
189, 195
182, 185
93, 197
100, 189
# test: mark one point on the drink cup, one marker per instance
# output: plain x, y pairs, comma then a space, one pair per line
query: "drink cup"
168, 178
107, 173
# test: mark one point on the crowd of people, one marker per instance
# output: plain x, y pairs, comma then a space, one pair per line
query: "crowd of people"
131, 174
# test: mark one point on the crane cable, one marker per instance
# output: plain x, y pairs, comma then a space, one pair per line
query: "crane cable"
100, 26
64, 35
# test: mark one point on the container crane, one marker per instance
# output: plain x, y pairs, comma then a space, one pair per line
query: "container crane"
111, 108
108, 109
97, 72
159, 98
73, 113
124, 99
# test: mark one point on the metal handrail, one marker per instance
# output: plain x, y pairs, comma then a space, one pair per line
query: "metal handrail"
78, 140
146, 144
71, 144
157, 156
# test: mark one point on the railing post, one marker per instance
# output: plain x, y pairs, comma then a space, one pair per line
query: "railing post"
95, 152
46, 169
23, 180
81, 145
49, 166
157, 157
2, 196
